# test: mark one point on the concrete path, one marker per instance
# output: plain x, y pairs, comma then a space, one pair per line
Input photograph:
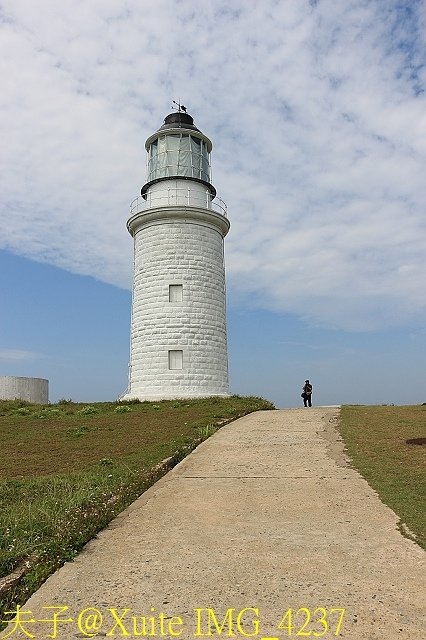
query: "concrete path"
265, 516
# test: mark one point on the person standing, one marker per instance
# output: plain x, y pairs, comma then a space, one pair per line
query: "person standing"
307, 394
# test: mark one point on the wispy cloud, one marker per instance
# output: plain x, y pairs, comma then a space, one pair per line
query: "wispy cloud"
17, 355
317, 115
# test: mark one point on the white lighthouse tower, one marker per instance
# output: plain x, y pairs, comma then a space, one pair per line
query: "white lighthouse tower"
178, 328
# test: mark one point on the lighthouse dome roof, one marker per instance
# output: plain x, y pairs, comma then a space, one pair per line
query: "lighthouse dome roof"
178, 120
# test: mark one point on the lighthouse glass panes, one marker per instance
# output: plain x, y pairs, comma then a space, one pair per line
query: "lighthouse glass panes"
178, 154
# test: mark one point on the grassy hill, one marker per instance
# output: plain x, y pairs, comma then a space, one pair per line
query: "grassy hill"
67, 469
379, 440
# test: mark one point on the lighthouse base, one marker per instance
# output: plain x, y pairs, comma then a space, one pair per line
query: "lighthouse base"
128, 396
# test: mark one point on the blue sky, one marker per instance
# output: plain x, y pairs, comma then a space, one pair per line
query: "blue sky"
316, 111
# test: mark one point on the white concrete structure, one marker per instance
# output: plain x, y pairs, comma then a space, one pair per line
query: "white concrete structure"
178, 328
31, 389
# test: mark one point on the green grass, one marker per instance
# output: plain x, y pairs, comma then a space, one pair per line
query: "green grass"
375, 439
67, 469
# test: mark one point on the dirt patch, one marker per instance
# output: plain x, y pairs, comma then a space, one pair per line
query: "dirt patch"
335, 443
419, 441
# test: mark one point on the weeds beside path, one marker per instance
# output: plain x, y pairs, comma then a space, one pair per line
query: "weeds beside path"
67, 469
376, 440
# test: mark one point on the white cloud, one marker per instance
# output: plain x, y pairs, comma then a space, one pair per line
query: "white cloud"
17, 355
317, 115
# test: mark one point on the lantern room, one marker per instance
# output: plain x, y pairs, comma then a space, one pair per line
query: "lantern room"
178, 150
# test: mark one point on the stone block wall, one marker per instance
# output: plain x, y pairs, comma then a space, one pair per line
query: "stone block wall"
187, 251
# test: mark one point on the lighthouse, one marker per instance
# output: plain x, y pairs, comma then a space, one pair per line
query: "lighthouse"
178, 345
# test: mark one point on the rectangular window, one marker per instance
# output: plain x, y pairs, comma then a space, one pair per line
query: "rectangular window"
175, 293
176, 359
